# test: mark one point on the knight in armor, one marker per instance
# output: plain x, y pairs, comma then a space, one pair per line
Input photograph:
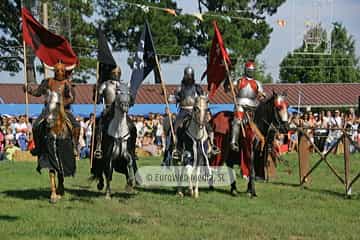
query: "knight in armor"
185, 97
186, 94
107, 94
61, 84
248, 93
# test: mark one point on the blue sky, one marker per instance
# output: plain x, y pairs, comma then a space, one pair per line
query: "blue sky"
283, 40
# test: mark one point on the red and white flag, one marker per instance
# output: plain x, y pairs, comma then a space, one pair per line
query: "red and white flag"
216, 71
47, 46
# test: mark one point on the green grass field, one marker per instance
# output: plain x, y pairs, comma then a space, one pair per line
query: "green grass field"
283, 210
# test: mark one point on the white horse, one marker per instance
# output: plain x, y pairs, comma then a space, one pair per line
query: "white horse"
193, 146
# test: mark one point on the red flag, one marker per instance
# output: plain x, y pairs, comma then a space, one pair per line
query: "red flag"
47, 46
216, 71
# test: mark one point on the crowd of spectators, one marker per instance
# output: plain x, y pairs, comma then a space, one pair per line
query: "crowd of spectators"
324, 128
324, 131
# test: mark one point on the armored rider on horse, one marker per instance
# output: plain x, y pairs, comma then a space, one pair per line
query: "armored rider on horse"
107, 93
56, 131
248, 93
62, 84
185, 97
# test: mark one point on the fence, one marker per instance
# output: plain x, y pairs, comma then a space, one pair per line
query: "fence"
304, 157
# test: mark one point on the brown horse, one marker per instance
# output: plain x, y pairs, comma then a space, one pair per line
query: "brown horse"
57, 151
271, 115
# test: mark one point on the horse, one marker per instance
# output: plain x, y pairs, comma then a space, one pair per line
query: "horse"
192, 145
56, 152
270, 115
117, 144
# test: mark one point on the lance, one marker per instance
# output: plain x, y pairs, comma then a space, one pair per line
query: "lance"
232, 89
94, 111
166, 100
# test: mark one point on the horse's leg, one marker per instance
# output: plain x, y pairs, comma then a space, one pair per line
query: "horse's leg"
179, 178
211, 179
130, 177
108, 175
100, 185
196, 188
232, 176
189, 169
108, 171
53, 196
60, 189
251, 183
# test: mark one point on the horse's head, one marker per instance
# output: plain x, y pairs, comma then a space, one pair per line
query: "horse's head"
281, 111
122, 99
200, 110
54, 101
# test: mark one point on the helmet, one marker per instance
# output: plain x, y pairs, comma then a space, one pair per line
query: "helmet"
189, 77
60, 70
116, 73
250, 69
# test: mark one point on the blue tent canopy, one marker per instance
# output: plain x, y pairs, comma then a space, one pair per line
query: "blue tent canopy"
84, 110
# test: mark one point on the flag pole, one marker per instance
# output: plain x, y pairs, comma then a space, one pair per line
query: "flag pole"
26, 84
232, 89
94, 111
166, 101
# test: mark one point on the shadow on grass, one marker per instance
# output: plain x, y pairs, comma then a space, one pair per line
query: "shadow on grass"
28, 194
327, 192
285, 184
124, 195
160, 191
84, 193
8, 218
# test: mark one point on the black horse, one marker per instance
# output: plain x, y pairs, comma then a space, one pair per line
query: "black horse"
270, 115
117, 144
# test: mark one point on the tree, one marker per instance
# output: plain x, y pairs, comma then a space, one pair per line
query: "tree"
61, 14
10, 41
246, 34
123, 24
340, 66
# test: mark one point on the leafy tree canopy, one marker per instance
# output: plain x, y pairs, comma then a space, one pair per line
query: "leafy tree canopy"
340, 66
241, 22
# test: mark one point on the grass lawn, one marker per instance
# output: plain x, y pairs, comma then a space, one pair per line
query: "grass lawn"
283, 210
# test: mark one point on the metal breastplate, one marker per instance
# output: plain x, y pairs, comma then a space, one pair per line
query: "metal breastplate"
59, 86
188, 95
109, 92
247, 93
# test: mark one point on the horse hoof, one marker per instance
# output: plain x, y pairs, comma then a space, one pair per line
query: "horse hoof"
180, 194
233, 192
60, 191
196, 194
53, 199
100, 186
129, 189
191, 193
211, 188
107, 197
252, 195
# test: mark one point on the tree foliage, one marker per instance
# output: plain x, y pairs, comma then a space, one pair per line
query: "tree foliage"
245, 35
340, 66
10, 40
245, 32
65, 18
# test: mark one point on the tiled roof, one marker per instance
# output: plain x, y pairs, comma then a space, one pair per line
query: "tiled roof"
315, 95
